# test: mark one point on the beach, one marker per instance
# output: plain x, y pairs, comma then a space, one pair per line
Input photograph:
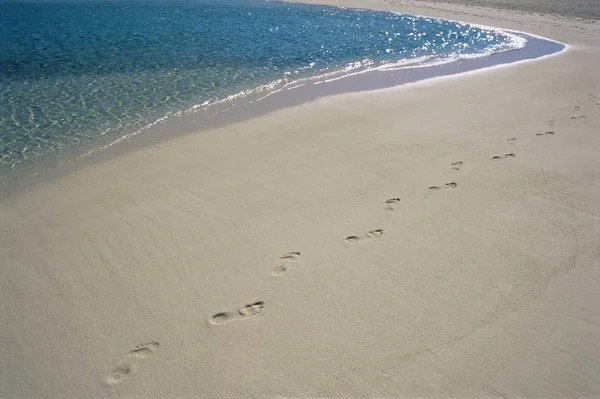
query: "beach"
437, 239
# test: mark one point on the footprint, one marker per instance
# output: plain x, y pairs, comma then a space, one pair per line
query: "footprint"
121, 372
375, 233
509, 155
290, 257
250, 310
548, 133
579, 117
456, 165
144, 350
281, 268
371, 234
351, 239
389, 207
447, 185
511, 139
577, 107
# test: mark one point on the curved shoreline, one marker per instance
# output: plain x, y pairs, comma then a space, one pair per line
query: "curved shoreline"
291, 94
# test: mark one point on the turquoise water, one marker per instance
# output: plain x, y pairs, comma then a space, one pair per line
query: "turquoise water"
78, 74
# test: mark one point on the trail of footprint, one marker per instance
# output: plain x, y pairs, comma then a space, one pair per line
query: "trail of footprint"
389, 204
369, 235
282, 268
509, 155
126, 368
245, 312
445, 186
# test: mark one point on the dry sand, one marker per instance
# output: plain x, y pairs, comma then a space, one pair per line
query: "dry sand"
217, 265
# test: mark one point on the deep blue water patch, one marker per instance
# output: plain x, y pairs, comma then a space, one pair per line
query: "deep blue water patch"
74, 74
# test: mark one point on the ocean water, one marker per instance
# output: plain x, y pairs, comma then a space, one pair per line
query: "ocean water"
78, 74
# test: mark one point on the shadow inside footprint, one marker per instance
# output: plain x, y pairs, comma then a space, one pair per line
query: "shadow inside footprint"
249, 310
579, 117
393, 201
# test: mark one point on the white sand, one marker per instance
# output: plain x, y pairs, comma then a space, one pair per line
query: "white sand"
111, 273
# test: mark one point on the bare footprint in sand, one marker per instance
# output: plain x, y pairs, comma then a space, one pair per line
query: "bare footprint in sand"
389, 204
456, 165
369, 235
120, 372
445, 186
498, 157
548, 133
579, 117
144, 350
245, 312
281, 268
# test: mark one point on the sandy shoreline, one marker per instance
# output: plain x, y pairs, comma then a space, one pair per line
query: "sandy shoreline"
218, 265
257, 104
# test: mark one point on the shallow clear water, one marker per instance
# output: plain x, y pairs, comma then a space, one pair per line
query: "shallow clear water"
74, 74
